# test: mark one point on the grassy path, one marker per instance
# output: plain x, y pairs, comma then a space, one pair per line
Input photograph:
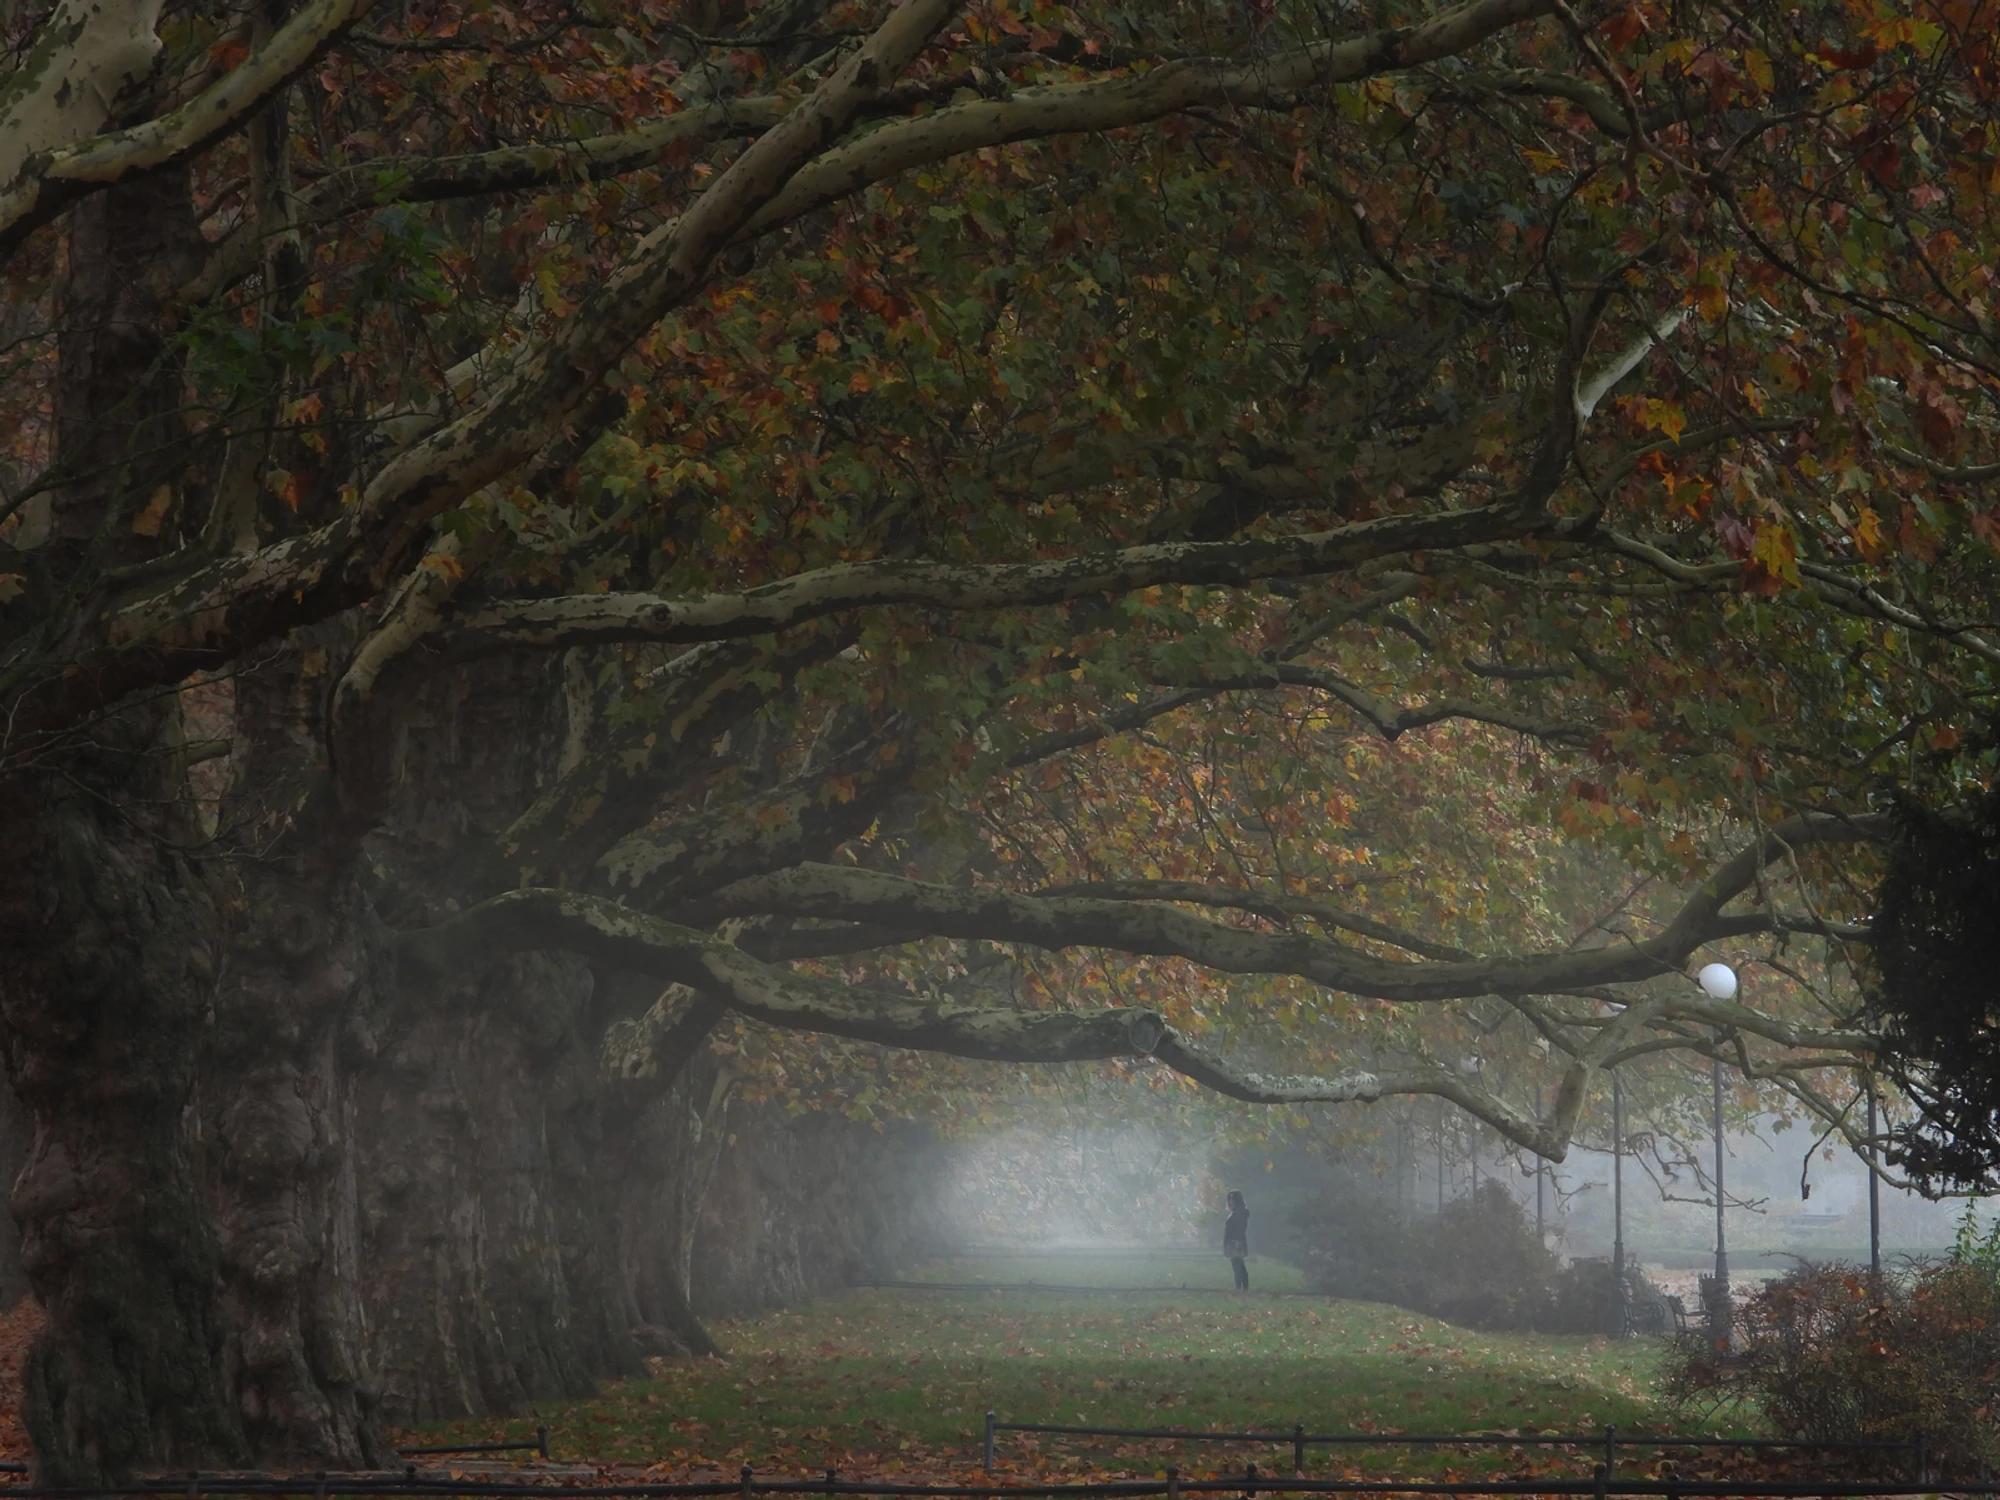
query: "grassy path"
891, 1380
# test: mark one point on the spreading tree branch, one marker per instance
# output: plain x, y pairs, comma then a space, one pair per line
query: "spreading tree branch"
700, 696
1392, 720
828, 892
66, 86
1056, 109
50, 179
1274, 906
215, 609
430, 179
603, 619
616, 935
212, 612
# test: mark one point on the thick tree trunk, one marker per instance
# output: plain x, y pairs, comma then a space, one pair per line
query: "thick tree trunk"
278, 1124
110, 940
807, 1204
488, 1280
16, 1135
111, 929
294, 1019
675, 1129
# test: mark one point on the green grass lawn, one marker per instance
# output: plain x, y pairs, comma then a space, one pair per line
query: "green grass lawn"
893, 1378
1166, 1270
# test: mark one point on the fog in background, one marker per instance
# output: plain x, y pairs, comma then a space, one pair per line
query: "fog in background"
1768, 1219
1137, 1186
1119, 1185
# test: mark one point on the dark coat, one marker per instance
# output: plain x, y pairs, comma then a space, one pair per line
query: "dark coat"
1236, 1234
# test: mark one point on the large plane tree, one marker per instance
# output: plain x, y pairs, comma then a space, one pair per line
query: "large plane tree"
649, 503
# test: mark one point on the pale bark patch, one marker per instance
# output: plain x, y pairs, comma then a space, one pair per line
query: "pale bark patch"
89, 53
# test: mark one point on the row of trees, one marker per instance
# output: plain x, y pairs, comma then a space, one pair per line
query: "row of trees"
898, 524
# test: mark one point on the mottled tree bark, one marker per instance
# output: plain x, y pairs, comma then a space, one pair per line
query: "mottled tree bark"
110, 941
112, 927
802, 1205
488, 1282
676, 1095
279, 1127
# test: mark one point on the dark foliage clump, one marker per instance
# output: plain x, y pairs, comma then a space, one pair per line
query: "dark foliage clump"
1477, 1263
1830, 1354
1580, 1296
1936, 991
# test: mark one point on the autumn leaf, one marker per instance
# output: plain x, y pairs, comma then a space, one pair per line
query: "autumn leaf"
153, 516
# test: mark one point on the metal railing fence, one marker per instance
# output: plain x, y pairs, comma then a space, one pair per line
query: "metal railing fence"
1607, 1442
1251, 1484
539, 1445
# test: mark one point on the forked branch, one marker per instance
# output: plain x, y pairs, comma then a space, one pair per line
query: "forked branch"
836, 893
781, 997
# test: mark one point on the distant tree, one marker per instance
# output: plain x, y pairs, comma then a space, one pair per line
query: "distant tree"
1931, 985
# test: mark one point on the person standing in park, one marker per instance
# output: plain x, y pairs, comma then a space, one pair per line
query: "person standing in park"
1236, 1239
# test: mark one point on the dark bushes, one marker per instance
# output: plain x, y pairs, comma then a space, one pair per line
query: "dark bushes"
1829, 1354
1477, 1263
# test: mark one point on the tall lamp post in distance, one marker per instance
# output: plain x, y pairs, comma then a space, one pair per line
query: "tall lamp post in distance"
1873, 1164
1541, 1173
1718, 982
1874, 1192
1541, 1162
1618, 1207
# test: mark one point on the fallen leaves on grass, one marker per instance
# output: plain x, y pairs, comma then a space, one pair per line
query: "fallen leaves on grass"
882, 1383
18, 1327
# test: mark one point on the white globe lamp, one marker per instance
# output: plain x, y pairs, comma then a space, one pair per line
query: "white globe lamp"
1718, 981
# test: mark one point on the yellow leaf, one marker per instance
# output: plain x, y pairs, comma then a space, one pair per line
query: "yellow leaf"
1663, 416
149, 520
1775, 549
1868, 533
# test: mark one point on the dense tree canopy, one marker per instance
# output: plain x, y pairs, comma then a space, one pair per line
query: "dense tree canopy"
1325, 550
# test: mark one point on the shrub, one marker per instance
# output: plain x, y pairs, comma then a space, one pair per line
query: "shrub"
1829, 1353
1579, 1297
1477, 1263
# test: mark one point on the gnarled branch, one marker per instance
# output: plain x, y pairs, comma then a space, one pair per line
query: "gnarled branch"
212, 611
1273, 905
630, 940
1109, 104
428, 179
870, 896
215, 609
48, 180
598, 619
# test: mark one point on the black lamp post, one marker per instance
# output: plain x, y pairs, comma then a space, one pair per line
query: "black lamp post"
1440, 1157
1718, 982
1721, 1243
1617, 1207
1541, 1172
1874, 1192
